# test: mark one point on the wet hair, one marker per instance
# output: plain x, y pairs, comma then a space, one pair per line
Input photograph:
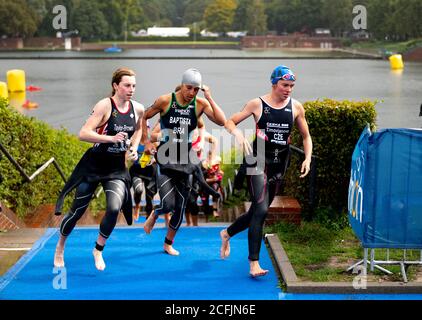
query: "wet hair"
178, 88
118, 75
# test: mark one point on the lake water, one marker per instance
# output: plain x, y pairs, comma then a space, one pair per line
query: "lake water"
73, 85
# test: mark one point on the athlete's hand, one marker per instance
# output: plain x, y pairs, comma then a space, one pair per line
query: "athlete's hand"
150, 148
306, 167
119, 137
132, 154
243, 142
207, 91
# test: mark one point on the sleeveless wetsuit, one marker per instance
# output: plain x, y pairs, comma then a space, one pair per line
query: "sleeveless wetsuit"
174, 163
271, 151
104, 163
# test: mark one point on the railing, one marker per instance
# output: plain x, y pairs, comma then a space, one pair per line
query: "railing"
30, 178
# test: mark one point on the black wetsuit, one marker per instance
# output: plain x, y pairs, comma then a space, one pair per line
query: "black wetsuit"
265, 171
103, 163
177, 163
141, 178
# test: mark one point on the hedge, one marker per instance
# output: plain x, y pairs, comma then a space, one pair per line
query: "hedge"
32, 142
335, 127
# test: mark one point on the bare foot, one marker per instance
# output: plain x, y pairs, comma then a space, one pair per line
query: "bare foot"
225, 244
59, 258
256, 270
98, 257
170, 250
149, 223
136, 212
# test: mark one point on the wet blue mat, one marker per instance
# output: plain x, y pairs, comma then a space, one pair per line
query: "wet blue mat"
137, 268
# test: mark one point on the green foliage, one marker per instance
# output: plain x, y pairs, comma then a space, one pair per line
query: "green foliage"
335, 127
395, 20
90, 20
17, 19
31, 143
250, 16
219, 15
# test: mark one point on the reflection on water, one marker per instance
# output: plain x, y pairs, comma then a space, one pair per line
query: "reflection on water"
17, 99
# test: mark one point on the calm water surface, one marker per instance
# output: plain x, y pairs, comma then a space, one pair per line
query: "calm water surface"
71, 87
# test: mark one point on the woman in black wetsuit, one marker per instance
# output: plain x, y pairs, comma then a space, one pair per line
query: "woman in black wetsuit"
113, 126
265, 163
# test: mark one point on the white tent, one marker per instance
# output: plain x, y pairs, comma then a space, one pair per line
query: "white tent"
168, 32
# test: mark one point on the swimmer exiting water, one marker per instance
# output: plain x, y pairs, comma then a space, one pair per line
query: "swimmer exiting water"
179, 113
113, 126
265, 164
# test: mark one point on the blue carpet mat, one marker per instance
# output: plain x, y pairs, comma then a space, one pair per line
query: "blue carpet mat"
137, 268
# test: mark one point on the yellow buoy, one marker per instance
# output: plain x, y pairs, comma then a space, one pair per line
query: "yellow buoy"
3, 90
16, 80
396, 61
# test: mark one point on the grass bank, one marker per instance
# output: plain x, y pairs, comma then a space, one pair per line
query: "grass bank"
320, 253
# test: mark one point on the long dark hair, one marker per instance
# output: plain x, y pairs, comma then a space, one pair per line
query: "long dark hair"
118, 75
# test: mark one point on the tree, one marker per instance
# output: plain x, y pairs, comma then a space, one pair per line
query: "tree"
89, 20
194, 11
338, 15
17, 19
114, 16
219, 15
250, 16
295, 15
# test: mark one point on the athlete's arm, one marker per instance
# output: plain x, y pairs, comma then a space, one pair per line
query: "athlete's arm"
231, 125
99, 117
156, 132
136, 137
211, 108
158, 106
302, 125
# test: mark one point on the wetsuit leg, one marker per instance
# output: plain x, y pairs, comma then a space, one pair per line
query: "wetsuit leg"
138, 189
81, 201
255, 217
182, 196
167, 192
115, 191
148, 198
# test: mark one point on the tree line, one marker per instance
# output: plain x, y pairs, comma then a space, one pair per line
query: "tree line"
115, 19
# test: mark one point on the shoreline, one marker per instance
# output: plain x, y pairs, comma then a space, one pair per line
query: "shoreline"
236, 53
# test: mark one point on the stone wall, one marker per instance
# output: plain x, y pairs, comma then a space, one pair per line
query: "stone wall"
9, 220
290, 41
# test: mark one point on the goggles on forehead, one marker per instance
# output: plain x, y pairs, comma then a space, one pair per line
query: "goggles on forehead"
282, 73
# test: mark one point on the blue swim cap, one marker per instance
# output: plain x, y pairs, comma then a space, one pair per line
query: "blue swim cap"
282, 73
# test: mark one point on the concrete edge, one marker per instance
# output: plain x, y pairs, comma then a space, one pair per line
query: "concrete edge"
294, 285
